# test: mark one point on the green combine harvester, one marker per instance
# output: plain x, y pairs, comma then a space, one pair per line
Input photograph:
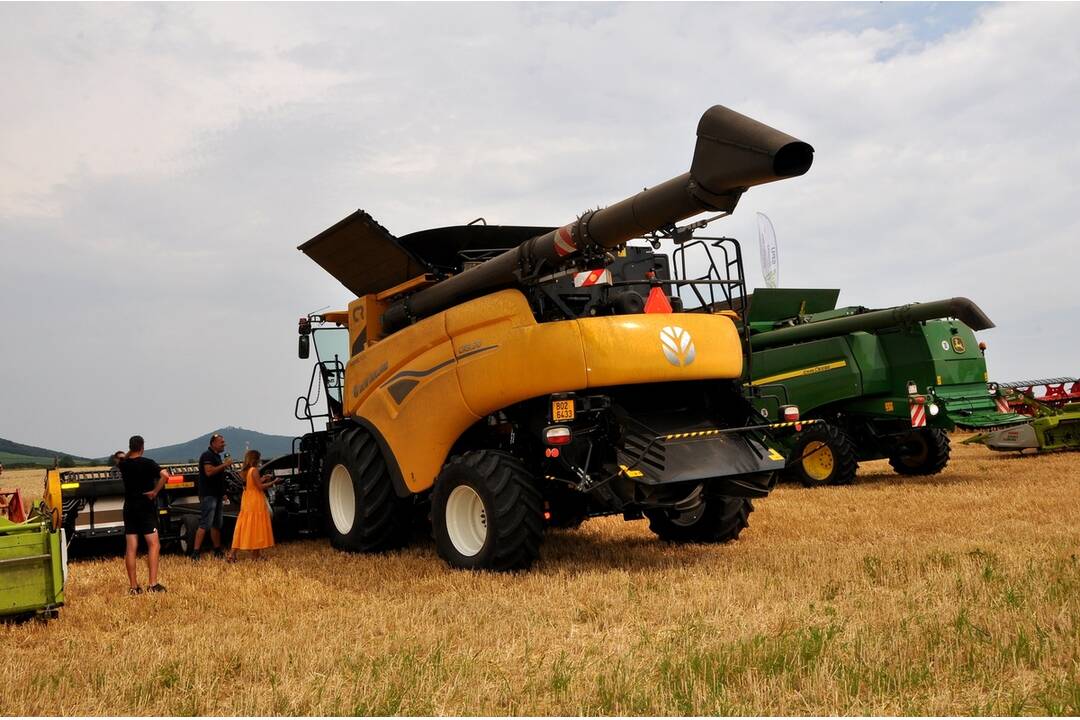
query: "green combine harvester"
886, 383
33, 566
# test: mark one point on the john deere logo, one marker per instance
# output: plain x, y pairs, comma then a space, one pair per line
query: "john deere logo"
958, 343
677, 345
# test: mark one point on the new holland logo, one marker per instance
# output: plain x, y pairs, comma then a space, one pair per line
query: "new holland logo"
677, 345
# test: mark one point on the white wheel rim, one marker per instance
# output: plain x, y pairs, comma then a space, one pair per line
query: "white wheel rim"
342, 499
466, 520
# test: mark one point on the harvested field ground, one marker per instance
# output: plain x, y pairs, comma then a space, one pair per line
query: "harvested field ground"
956, 594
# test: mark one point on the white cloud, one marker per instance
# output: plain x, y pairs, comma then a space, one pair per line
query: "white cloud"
159, 164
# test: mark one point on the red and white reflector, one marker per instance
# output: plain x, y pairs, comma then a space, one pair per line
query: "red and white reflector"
564, 241
789, 413
173, 479
557, 435
918, 414
1002, 404
600, 276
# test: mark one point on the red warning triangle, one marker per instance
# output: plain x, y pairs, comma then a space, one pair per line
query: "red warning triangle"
657, 302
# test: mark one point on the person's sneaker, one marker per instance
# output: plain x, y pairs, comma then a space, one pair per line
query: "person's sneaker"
135, 591
156, 588
195, 557
218, 553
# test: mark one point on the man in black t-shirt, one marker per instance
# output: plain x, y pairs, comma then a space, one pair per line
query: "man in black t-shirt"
143, 480
211, 495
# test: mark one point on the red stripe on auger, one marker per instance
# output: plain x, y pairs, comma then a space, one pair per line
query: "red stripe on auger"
564, 241
1002, 404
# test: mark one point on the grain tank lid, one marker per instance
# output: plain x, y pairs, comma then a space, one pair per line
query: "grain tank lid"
363, 255
447, 249
771, 304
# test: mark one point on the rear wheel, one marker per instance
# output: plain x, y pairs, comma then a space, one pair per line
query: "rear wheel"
189, 525
363, 512
718, 519
922, 452
487, 512
823, 455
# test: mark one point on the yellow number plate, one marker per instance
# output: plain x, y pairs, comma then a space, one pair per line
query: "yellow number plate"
562, 410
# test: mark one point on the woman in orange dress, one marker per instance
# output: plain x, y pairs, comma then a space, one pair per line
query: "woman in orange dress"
253, 530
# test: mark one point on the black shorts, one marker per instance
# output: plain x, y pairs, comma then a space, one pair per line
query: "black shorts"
140, 519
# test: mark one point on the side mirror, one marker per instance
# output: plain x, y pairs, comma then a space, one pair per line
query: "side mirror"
305, 347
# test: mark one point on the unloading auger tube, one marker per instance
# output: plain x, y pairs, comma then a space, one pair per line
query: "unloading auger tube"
958, 307
733, 153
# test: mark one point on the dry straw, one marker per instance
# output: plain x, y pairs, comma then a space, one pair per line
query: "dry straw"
955, 594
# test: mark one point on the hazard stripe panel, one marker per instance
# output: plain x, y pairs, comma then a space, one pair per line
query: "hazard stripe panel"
564, 242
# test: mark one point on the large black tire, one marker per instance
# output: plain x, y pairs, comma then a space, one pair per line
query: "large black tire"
185, 541
822, 455
487, 512
363, 512
718, 519
923, 452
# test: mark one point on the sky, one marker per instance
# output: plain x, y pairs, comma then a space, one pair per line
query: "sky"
159, 164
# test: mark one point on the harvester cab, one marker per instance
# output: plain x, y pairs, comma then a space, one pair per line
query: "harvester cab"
509, 377
887, 383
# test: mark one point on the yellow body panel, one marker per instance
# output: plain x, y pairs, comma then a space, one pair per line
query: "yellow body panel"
426, 384
52, 496
364, 325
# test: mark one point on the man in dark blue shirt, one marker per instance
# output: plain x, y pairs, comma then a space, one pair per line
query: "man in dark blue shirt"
212, 469
143, 480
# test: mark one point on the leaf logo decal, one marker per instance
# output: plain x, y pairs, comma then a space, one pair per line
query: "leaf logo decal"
677, 345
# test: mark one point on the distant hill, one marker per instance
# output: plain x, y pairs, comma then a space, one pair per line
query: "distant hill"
237, 441
13, 453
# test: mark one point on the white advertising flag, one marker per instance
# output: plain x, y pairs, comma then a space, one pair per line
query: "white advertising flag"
770, 259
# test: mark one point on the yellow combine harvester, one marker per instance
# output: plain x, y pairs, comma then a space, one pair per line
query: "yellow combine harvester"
507, 376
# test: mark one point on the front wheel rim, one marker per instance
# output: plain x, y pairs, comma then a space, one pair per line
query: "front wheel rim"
818, 461
342, 499
466, 520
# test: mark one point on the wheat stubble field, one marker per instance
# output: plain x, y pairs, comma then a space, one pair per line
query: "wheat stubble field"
956, 594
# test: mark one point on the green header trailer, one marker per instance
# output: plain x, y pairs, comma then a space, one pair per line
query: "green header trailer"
1051, 426
886, 383
33, 567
